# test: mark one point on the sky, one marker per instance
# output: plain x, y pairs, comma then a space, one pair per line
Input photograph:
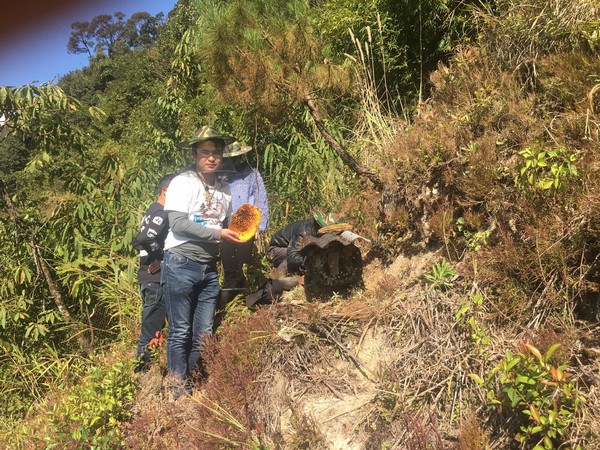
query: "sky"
34, 35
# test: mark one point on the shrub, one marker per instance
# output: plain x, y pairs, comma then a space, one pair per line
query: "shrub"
442, 275
546, 169
542, 397
92, 412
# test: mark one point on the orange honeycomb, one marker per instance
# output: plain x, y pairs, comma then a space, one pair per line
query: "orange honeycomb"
246, 221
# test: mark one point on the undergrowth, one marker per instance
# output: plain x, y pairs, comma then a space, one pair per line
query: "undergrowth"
87, 414
220, 413
497, 177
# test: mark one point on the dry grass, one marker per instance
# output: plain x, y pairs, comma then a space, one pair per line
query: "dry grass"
519, 32
219, 414
386, 367
372, 350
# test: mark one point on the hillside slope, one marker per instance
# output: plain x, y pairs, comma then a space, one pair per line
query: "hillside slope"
478, 324
387, 367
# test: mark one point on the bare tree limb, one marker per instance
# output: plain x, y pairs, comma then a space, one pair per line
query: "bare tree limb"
48, 276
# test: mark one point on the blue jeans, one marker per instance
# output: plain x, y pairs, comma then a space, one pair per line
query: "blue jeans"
154, 313
190, 290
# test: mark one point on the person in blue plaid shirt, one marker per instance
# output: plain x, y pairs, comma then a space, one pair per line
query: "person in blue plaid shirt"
247, 186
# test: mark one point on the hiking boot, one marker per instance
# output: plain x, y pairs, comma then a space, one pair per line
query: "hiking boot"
288, 283
228, 294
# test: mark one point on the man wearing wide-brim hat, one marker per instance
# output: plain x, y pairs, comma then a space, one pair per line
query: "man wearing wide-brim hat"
286, 254
247, 187
198, 203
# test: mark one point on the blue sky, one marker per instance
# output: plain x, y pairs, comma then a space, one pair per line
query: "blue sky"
38, 52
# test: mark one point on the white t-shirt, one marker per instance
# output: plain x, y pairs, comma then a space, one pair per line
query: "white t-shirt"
208, 206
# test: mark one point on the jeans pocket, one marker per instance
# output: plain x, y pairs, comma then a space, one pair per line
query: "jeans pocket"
174, 261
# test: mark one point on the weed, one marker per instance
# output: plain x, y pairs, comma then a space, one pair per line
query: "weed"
472, 436
258, 270
442, 275
92, 412
542, 397
474, 240
389, 405
546, 169
478, 332
224, 412
422, 430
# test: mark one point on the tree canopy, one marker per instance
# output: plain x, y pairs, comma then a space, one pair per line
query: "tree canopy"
110, 34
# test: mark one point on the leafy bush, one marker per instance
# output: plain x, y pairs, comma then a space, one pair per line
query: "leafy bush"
543, 398
92, 412
546, 169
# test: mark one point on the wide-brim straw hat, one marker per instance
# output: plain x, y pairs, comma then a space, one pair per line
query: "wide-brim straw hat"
236, 149
206, 133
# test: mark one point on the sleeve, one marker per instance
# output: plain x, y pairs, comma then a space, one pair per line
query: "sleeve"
184, 227
263, 203
178, 195
295, 259
151, 234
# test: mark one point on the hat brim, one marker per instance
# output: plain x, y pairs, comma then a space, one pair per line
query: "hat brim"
188, 144
335, 228
243, 150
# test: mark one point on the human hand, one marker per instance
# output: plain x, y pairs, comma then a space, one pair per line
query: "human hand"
230, 235
154, 266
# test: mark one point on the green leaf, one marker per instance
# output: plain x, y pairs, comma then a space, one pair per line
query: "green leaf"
461, 312
476, 378
513, 397
551, 351
525, 380
512, 363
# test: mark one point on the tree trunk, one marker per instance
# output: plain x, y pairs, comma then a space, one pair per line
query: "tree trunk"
341, 151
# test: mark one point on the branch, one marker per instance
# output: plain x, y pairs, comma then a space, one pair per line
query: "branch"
339, 149
51, 283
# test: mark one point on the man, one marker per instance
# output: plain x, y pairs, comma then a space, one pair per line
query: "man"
150, 241
284, 251
286, 256
198, 204
247, 186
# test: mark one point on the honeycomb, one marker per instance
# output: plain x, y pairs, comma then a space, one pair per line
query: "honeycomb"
246, 221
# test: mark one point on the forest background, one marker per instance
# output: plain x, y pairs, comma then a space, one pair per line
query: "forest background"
459, 133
